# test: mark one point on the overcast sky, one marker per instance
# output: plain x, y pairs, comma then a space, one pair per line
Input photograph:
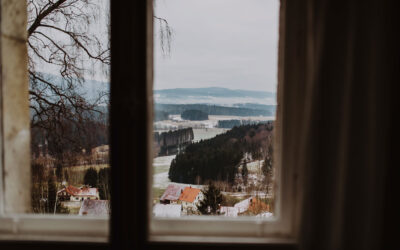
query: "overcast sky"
218, 43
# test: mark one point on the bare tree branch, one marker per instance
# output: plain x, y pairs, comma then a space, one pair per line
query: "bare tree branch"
43, 14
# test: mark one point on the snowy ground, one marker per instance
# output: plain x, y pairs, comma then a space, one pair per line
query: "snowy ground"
203, 134
160, 170
176, 121
161, 165
255, 166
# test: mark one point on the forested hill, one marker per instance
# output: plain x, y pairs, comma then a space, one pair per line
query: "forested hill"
218, 158
175, 109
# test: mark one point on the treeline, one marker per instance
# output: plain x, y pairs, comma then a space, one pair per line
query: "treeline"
236, 122
160, 115
176, 109
194, 115
167, 143
100, 180
68, 140
218, 159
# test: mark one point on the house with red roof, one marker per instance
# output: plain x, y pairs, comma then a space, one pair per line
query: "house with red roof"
171, 194
190, 198
71, 193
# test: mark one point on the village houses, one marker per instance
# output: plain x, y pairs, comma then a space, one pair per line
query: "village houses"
178, 200
71, 193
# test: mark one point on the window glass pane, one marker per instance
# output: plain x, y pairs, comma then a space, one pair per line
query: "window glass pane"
215, 81
68, 64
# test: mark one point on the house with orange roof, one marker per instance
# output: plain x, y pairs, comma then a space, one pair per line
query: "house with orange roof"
71, 193
190, 198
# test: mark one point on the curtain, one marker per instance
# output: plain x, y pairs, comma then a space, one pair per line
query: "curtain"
337, 73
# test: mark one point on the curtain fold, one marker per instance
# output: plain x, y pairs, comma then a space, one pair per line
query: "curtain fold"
339, 70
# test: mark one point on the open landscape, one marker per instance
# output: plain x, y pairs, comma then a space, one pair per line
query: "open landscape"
251, 183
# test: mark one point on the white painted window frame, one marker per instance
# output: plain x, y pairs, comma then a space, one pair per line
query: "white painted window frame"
19, 226
276, 230
15, 222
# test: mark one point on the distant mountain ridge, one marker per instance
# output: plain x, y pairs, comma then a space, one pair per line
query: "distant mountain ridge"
214, 92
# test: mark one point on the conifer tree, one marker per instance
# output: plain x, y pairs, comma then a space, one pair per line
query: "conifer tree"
245, 173
51, 192
91, 177
212, 200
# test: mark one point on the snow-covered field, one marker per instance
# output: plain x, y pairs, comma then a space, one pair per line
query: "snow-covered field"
203, 134
176, 121
160, 170
161, 164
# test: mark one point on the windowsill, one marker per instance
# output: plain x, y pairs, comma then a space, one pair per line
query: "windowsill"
220, 230
218, 240
34, 227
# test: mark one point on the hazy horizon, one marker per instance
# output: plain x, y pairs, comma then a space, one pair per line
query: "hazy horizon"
226, 43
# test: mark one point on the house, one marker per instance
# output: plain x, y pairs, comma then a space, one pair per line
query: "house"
72, 193
95, 207
229, 211
258, 207
171, 194
100, 154
243, 206
190, 198
167, 210
252, 205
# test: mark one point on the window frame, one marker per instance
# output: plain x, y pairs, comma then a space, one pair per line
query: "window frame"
16, 224
130, 148
216, 229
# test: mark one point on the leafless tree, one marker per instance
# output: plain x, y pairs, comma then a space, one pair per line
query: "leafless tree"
61, 38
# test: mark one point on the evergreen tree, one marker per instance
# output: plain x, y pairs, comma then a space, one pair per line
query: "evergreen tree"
212, 200
245, 173
105, 183
218, 158
59, 172
66, 175
51, 192
91, 177
267, 165
38, 176
267, 168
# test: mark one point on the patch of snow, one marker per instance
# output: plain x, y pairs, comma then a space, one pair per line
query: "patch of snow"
167, 210
229, 211
265, 215
243, 205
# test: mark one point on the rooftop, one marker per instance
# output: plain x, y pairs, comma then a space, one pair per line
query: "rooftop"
172, 193
189, 194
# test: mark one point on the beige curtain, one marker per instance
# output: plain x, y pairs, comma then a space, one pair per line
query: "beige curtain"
337, 68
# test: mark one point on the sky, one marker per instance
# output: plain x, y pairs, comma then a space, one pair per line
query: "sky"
98, 27
218, 43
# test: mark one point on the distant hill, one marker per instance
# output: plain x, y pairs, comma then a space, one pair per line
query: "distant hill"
194, 115
176, 109
89, 89
214, 96
214, 92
